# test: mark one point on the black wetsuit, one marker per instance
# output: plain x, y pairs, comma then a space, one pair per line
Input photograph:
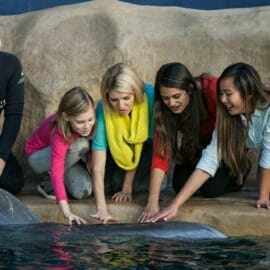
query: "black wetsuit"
11, 102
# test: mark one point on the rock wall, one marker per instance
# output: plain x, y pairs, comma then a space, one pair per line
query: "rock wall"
73, 45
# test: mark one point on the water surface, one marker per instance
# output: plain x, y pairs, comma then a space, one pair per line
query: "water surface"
54, 246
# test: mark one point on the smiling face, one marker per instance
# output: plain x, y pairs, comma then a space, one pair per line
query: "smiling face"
175, 99
230, 97
121, 102
82, 123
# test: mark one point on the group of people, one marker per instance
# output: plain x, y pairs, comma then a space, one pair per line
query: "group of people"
128, 142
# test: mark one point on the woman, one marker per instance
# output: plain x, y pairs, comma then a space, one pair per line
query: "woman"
243, 121
185, 114
125, 128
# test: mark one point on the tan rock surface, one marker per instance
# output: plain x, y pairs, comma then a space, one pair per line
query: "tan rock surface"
233, 214
73, 45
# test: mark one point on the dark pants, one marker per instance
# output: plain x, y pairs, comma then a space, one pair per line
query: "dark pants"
12, 178
114, 176
215, 186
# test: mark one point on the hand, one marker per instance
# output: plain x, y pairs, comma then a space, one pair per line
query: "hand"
122, 197
263, 203
74, 219
2, 166
104, 216
148, 212
166, 214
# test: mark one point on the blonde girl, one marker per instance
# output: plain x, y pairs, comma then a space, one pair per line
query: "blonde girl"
60, 145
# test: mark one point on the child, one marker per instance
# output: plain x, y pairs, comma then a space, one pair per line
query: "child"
60, 145
243, 121
125, 128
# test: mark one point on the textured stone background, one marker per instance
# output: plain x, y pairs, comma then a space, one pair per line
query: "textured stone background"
74, 45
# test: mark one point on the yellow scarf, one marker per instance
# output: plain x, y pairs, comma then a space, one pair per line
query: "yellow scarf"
126, 134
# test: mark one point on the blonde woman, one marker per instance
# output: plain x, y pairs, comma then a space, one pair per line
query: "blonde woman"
122, 146
60, 145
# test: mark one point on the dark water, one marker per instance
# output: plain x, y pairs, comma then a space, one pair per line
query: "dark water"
12, 7
51, 246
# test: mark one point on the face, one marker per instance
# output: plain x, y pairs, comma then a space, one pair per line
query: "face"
121, 102
176, 99
230, 97
82, 123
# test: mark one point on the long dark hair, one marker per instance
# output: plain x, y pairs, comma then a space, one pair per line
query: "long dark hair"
178, 134
231, 132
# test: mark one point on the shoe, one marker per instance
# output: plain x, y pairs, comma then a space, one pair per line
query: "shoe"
45, 188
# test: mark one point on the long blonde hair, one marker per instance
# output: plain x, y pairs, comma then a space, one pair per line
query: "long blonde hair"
231, 132
74, 102
122, 78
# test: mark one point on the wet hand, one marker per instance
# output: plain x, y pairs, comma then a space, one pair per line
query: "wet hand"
104, 216
166, 214
122, 197
263, 203
148, 212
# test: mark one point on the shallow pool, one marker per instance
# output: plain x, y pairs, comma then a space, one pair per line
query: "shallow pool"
54, 246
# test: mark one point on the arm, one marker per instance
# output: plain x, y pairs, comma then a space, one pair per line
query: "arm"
64, 207
264, 167
205, 168
152, 207
13, 110
59, 150
98, 161
195, 181
264, 192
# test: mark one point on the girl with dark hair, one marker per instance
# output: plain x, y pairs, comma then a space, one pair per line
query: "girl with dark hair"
185, 115
243, 122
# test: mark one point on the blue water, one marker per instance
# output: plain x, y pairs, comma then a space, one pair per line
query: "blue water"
12, 7
54, 246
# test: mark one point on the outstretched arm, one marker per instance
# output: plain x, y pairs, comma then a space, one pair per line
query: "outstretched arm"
152, 207
264, 195
97, 166
195, 181
72, 218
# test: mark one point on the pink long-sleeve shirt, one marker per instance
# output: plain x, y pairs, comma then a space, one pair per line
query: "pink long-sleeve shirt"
44, 137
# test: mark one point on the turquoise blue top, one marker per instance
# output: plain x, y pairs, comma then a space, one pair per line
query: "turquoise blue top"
258, 138
100, 140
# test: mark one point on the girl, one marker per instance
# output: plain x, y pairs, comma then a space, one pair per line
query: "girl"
185, 114
124, 125
243, 121
60, 144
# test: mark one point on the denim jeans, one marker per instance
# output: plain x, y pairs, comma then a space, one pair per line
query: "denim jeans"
77, 179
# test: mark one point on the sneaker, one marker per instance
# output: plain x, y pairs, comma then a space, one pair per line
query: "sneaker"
45, 188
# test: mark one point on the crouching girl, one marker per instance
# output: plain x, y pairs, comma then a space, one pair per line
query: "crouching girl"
60, 145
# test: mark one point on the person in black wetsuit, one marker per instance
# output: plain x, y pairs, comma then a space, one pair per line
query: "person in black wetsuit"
11, 102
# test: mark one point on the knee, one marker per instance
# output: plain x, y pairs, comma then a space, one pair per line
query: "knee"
80, 145
82, 193
211, 192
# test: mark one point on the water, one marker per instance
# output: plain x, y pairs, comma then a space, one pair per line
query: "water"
55, 246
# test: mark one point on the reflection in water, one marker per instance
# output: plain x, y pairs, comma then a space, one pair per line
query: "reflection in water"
52, 246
